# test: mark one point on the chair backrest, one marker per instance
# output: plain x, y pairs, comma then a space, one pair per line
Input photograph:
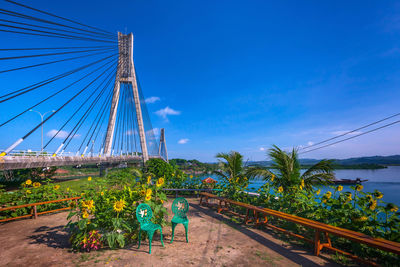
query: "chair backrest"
180, 207
144, 213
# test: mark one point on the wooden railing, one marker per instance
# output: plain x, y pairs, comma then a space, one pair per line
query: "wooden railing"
34, 214
319, 228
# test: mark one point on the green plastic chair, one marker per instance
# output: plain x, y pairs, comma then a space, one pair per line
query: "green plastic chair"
180, 207
144, 214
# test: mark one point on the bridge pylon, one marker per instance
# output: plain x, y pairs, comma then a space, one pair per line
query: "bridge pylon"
125, 74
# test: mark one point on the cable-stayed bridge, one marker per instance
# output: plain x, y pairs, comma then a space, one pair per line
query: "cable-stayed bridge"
86, 80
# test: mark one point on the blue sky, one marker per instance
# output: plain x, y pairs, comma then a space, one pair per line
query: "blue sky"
243, 75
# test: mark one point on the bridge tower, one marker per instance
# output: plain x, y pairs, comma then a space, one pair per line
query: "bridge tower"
162, 148
125, 74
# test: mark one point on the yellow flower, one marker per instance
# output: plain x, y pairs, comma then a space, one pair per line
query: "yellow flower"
82, 194
162, 201
324, 201
142, 192
349, 197
88, 204
89, 178
28, 182
359, 187
369, 197
363, 218
394, 209
328, 194
148, 192
119, 205
339, 188
173, 174
191, 176
28, 191
318, 191
272, 177
378, 194
280, 189
68, 189
148, 197
57, 186
36, 184
160, 182
372, 205
301, 188
302, 183
85, 215
149, 179
102, 193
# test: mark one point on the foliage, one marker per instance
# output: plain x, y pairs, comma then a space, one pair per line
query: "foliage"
111, 211
287, 171
24, 174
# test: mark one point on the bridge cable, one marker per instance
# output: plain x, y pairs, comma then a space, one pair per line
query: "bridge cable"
70, 118
52, 62
48, 118
59, 17
50, 80
54, 94
55, 48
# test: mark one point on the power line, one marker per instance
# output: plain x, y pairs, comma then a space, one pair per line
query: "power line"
352, 131
373, 130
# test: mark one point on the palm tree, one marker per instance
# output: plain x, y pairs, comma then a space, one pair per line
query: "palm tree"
231, 166
287, 171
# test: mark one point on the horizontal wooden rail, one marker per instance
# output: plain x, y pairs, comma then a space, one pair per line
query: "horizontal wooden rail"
319, 228
34, 214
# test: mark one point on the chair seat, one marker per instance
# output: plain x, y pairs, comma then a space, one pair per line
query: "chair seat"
150, 226
176, 219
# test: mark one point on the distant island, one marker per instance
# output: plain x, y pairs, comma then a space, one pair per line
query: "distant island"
370, 163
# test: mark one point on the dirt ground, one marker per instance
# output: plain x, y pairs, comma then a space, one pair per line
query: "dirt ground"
213, 241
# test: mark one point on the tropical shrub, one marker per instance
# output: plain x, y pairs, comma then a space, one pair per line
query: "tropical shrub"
111, 214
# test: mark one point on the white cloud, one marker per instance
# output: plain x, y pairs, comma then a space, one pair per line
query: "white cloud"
262, 148
60, 135
130, 132
167, 111
343, 132
309, 143
183, 141
152, 99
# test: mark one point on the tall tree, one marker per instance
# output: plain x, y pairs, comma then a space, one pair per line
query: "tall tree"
286, 171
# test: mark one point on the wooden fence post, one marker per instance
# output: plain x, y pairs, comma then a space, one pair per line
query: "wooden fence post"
35, 211
317, 243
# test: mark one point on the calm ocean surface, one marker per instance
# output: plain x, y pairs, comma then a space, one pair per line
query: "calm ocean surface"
385, 180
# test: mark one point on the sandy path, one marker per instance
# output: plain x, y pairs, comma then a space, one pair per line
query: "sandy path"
213, 241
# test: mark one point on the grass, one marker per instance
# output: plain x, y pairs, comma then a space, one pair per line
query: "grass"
78, 185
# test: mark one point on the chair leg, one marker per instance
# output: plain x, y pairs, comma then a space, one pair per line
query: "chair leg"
140, 237
162, 243
173, 231
186, 231
150, 240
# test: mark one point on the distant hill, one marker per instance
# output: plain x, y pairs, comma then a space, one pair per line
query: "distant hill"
376, 160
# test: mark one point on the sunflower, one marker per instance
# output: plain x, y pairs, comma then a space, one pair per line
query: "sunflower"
149, 179
160, 182
148, 197
302, 184
378, 194
191, 176
28, 191
339, 188
88, 204
28, 182
328, 194
149, 191
36, 184
372, 205
359, 187
272, 177
349, 197
85, 215
102, 193
57, 186
119, 205
68, 189
280, 189
89, 178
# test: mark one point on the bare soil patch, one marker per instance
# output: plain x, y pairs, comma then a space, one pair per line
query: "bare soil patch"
213, 241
